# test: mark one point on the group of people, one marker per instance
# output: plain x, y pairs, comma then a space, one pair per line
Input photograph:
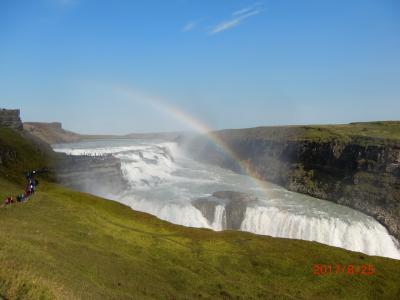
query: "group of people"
29, 190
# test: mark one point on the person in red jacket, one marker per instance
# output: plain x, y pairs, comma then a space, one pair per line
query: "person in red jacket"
8, 201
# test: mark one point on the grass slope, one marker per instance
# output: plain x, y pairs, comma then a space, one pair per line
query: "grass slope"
20, 152
65, 244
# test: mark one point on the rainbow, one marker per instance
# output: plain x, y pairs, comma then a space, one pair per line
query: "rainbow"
200, 127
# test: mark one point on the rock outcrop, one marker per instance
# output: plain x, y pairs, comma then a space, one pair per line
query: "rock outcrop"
234, 203
356, 165
10, 118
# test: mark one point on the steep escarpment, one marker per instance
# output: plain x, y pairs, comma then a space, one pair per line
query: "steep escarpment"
357, 165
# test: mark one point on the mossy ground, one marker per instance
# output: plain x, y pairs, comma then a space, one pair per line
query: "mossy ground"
62, 244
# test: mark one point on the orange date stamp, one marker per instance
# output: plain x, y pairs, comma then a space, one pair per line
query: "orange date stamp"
350, 269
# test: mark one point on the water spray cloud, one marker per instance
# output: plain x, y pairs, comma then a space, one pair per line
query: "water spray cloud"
184, 117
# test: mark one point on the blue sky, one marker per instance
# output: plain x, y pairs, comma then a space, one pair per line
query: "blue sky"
229, 64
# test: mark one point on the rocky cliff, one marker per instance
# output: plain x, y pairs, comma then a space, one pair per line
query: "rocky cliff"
100, 175
10, 118
357, 165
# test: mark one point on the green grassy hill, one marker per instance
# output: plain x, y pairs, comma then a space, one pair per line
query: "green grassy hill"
20, 152
67, 245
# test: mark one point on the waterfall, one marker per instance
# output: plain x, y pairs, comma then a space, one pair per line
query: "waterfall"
368, 236
163, 182
219, 218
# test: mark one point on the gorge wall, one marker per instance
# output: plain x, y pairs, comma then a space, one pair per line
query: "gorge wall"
357, 165
100, 175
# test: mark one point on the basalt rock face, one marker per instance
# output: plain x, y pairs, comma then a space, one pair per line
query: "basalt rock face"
235, 205
99, 175
362, 173
10, 118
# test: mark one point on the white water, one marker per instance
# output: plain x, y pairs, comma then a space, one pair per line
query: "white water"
163, 182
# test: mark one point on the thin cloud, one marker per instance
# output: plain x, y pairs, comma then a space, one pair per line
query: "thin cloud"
189, 26
247, 9
238, 17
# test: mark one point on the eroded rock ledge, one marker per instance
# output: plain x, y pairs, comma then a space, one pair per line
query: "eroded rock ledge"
235, 204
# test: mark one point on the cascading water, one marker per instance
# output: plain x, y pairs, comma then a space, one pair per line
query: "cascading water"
219, 222
365, 235
165, 182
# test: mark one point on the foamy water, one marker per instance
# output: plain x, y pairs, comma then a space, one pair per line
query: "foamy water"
164, 182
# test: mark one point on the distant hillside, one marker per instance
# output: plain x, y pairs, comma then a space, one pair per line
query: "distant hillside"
170, 136
372, 133
51, 133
